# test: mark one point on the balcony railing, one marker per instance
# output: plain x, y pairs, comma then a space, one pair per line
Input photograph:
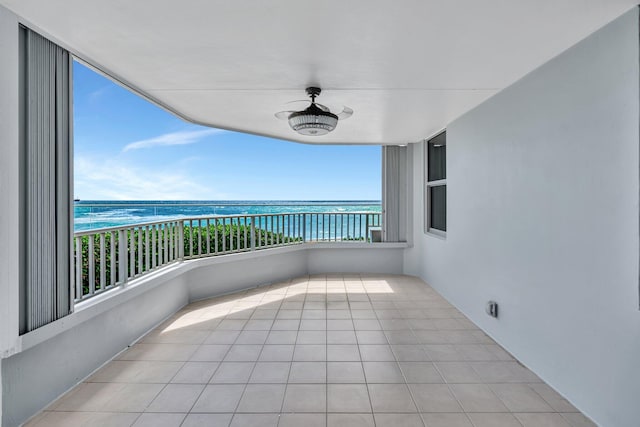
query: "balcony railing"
109, 257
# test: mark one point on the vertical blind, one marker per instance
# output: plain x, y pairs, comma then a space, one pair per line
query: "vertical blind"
46, 76
394, 193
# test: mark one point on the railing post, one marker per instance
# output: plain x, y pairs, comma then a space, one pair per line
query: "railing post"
253, 233
304, 227
123, 257
181, 240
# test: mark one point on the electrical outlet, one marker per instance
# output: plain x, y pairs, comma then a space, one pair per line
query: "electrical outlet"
492, 309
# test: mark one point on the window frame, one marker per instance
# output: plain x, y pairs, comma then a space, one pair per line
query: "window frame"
429, 185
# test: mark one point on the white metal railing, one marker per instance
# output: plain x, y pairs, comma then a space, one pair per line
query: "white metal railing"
109, 257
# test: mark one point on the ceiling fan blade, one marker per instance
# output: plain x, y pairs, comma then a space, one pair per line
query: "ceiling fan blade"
298, 100
283, 115
323, 108
345, 113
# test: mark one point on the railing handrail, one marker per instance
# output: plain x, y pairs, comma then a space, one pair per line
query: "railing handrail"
106, 258
230, 204
205, 217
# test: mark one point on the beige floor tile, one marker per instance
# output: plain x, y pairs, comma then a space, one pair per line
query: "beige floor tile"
420, 372
282, 337
376, 353
312, 337
578, 420
341, 337
542, 420
195, 373
270, 372
343, 353
285, 325
159, 420
475, 352
233, 373
289, 314
402, 337
345, 372
208, 420
219, 398
458, 372
520, 398
161, 352
276, 353
383, 372
176, 398
350, 420
348, 398
308, 372
371, 337
313, 325
493, 420
252, 337
410, 353
262, 398
210, 353
391, 398
243, 353
264, 313
334, 349
222, 337
232, 324
83, 419
442, 353
504, 372
259, 325
394, 324
176, 336
477, 398
398, 420
553, 398
310, 353
363, 314
345, 324
305, 398
303, 420
366, 325
132, 371
254, 420
446, 420
434, 398
109, 397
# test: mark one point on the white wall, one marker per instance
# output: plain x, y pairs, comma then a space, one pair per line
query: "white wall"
9, 173
9, 261
543, 218
34, 377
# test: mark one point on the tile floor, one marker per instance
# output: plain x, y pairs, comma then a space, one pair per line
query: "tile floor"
330, 350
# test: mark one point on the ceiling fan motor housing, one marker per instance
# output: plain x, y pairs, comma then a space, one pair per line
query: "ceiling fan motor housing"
313, 121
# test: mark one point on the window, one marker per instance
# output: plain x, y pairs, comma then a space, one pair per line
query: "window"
435, 212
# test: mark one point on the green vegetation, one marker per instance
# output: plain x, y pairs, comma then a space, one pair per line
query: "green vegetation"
228, 237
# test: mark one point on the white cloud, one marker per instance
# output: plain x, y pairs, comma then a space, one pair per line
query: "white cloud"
112, 180
173, 138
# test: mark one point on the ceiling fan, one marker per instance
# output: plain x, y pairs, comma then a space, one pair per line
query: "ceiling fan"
316, 119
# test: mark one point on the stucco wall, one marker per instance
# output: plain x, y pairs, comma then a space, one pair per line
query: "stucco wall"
543, 218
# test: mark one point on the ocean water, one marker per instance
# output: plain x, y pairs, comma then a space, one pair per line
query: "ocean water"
93, 214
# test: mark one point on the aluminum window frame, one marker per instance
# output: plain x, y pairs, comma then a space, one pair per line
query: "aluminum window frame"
429, 185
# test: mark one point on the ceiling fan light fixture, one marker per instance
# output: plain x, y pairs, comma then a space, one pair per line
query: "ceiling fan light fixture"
313, 121
316, 119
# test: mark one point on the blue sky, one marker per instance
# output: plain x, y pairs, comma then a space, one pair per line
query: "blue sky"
128, 149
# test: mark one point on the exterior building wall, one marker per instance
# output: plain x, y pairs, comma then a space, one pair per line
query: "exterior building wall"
542, 188
9, 173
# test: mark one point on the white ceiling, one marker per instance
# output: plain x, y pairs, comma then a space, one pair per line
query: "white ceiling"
406, 67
